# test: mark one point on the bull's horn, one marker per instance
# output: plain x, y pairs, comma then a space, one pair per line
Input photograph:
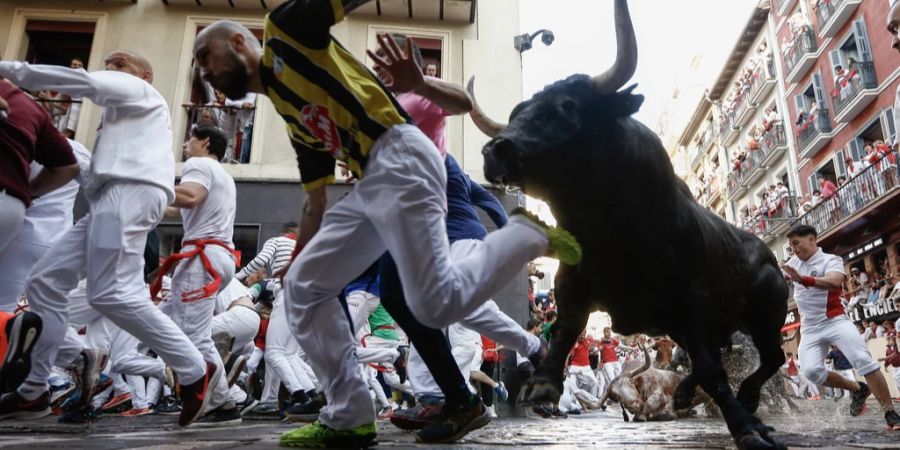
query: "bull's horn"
484, 123
626, 53
644, 367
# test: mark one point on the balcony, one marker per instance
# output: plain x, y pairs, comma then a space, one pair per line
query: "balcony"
831, 15
801, 56
752, 167
876, 182
698, 158
783, 6
235, 123
736, 185
743, 110
851, 99
706, 140
814, 133
772, 219
773, 144
763, 81
728, 132
715, 191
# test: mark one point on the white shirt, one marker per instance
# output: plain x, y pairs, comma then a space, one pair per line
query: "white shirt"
815, 304
51, 215
459, 335
134, 141
214, 217
233, 291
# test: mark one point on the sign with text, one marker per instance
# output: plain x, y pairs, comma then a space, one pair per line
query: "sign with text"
877, 311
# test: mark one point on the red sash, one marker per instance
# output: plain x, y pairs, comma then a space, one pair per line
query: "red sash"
211, 288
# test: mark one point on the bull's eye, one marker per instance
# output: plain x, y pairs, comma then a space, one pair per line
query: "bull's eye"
568, 106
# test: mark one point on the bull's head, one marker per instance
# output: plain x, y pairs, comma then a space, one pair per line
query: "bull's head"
569, 118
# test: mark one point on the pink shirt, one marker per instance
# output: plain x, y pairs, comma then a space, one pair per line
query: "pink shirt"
428, 116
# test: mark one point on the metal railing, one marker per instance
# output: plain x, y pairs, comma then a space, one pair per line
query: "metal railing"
772, 217
235, 123
813, 126
742, 104
874, 182
825, 10
764, 72
64, 113
773, 139
726, 126
734, 181
804, 43
859, 80
706, 139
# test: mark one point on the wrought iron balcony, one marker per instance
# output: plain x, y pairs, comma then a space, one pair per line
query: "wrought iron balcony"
727, 129
801, 56
773, 142
763, 80
875, 182
860, 90
831, 15
813, 133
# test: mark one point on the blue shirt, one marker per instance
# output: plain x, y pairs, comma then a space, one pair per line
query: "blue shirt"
368, 282
840, 361
463, 195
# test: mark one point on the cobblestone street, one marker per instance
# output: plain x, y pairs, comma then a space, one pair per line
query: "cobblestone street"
821, 425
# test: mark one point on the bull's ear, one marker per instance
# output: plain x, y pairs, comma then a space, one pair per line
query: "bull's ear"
625, 103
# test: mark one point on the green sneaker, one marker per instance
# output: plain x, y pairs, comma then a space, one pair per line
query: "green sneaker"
562, 245
316, 435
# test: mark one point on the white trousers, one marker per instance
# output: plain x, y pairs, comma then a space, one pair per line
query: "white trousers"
282, 350
586, 379
896, 372
12, 215
390, 375
195, 318
241, 323
108, 244
611, 370
815, 342
16, 260
399, 207
468, 357
487, 320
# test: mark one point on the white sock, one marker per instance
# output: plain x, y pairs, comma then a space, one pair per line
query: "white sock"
31, 391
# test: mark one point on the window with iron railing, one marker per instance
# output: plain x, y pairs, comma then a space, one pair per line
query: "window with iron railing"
847, 88
63, 110
804, 43
236, 122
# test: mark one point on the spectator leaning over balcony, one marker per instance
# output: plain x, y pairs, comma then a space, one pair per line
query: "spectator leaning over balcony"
69, 123
871, 157
884, 152
246, 112
816, 198
227, 119
827, 187
853, 167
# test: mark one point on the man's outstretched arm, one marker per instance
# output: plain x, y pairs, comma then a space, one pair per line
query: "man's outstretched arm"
105, 87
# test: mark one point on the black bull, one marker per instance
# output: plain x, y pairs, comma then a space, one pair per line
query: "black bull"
654, 259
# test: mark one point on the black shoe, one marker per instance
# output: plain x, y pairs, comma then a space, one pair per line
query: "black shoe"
892, 419
169, 406
81, 414
19, 334
299, 397
14, 406
455, 422
306, 412
400, 362
247, 405
858, 400
218, 417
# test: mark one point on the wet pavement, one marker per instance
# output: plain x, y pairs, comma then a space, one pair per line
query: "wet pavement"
821, 424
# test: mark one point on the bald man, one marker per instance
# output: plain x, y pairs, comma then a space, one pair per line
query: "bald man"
131, 180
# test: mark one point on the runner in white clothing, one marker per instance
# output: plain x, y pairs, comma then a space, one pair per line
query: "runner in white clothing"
206, 199
818, 279
130, 182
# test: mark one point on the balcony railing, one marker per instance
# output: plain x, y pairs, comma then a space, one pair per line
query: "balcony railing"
813, 126
697, 158
871, 184
772, 217
842, 96
782, 6
235, 123
742, 109
764, 75
804, 44
772, 141
832, 14
727, 129
706, 139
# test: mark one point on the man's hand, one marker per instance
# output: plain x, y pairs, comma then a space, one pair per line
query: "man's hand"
401, 65
247, 105
791, 273
4, 109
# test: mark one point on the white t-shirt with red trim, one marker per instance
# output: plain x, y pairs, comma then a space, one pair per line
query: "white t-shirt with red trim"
816, 304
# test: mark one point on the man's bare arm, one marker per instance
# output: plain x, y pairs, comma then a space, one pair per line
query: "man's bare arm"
52, 178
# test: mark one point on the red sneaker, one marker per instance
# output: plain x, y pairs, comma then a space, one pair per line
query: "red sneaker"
195, 396
136, 412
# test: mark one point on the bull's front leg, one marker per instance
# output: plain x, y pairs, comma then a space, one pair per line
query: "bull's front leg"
573, 308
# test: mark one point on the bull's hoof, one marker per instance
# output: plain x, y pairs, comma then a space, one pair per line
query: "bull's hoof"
758, 438
540, 389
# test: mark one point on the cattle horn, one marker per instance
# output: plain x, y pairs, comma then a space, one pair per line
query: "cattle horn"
484, 123
626, 53
644, 367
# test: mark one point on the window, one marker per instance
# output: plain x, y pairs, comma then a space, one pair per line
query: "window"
888, 127
62, 43
234, 117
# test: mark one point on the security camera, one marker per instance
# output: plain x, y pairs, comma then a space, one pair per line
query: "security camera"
547, 38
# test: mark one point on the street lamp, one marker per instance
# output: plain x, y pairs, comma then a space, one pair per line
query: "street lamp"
522, 42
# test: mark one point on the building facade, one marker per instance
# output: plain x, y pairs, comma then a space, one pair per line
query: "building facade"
799, 128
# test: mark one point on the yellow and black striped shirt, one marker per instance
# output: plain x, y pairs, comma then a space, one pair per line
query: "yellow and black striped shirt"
335, 108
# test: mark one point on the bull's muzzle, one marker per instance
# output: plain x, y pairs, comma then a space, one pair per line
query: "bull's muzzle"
502, 161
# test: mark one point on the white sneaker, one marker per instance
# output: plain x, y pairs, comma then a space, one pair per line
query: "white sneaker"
491, 411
